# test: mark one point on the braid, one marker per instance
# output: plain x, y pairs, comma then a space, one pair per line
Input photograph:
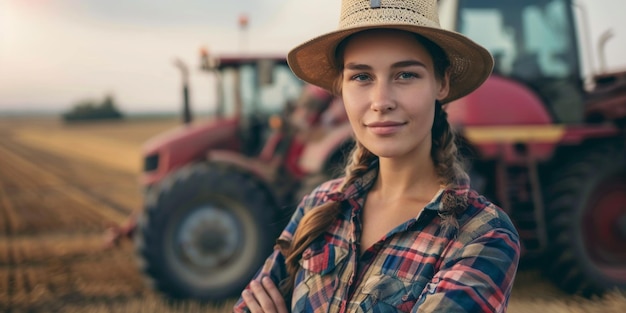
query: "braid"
316, 221
444, 153
358, 164
448, 164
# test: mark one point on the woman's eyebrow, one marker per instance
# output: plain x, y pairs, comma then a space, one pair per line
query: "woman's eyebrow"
408, 63
400, 64
357, 66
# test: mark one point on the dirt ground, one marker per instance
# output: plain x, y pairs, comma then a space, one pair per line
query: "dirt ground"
61, 185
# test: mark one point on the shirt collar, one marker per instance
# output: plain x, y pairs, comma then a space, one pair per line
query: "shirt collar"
459, 187
359, 187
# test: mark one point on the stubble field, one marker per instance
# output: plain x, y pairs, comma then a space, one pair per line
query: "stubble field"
62, 185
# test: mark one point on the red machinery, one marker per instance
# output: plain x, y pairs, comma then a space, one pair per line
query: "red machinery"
544, 145
218, 192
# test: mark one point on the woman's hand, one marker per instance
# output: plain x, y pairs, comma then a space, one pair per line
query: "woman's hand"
264, 297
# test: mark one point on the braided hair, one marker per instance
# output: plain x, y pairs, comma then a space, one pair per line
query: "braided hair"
444, 153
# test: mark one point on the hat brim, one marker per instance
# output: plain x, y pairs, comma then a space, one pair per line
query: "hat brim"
470, 63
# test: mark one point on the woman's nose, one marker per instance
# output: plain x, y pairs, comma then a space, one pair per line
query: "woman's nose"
382, 97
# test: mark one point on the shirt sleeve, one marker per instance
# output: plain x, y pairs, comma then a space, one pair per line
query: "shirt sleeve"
274, 265
476, 278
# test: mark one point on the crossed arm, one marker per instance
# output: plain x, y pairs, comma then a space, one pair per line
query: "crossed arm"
477, 278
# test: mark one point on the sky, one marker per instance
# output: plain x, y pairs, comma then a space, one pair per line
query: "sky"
54, 53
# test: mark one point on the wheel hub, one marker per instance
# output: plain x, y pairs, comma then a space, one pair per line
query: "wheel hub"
209, 237
210, 241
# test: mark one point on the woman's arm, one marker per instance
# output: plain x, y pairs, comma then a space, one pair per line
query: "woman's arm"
274, 266
262, 292
264, 297
478, 277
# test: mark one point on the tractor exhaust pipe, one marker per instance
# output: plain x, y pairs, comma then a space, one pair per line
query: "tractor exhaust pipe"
185, 77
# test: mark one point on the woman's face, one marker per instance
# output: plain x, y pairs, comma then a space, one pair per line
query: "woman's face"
389, 88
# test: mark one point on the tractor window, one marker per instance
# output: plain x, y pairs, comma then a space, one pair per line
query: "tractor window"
259, 99
248, 87
285, 87
228, 81
543, 37
486, 26
528, 39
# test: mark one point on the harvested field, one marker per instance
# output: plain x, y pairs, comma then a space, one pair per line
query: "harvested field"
60, 186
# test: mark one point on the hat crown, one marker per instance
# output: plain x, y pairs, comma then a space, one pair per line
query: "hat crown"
357, 13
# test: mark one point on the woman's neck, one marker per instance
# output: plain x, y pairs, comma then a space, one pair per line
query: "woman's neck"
414, 178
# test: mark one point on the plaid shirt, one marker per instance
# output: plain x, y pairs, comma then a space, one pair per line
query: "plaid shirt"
420, 266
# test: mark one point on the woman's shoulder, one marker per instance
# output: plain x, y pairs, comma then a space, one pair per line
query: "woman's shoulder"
329, 190
483, 216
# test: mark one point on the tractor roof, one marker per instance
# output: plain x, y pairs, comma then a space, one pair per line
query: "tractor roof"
237, 60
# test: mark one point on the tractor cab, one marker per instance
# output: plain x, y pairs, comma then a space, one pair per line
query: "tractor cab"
533, 42
248, 91
252, 89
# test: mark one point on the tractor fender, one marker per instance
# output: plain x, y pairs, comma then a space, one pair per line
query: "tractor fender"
316, 153
184, 145
502, 113
611, 108
499, 101
607, 101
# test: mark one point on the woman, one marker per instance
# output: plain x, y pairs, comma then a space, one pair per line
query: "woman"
402, 231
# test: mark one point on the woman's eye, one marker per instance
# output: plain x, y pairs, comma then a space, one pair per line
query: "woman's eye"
360, 77
407, 75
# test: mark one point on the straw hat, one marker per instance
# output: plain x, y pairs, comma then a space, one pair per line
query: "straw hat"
470, 63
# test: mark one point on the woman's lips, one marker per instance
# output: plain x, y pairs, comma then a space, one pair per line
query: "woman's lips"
384, 127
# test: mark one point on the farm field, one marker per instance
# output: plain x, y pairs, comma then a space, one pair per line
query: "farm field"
62, 185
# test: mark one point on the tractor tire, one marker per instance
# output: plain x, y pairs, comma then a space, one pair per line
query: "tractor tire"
586, 220
205, 232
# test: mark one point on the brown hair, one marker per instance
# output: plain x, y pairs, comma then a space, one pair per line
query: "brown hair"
444, 153
316, 221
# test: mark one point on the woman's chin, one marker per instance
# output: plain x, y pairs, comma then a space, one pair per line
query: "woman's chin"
388, 151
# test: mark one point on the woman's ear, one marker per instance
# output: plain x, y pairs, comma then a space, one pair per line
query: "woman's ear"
444, 87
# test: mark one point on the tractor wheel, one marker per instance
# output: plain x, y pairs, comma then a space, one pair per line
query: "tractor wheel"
205, 232
586, 219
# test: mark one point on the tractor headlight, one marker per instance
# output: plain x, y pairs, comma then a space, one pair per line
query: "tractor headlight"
151, 163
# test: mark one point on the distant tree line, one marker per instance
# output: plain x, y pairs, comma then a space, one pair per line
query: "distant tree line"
86, 110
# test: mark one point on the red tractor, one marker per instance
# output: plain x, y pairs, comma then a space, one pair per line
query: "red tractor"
217, 193
546, 143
